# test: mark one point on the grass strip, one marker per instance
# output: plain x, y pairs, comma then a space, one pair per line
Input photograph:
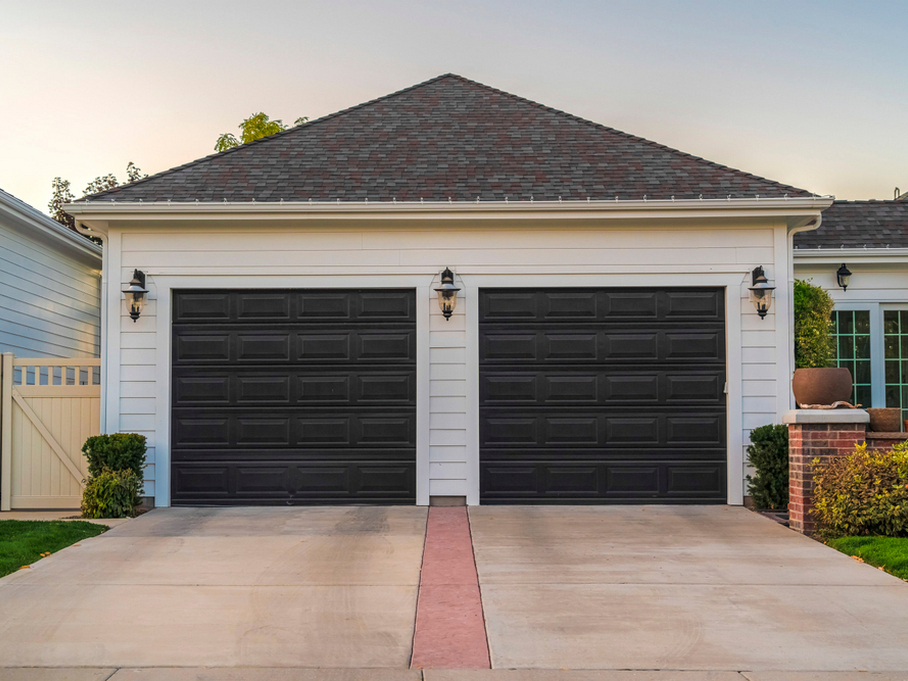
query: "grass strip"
888, 553
22, 542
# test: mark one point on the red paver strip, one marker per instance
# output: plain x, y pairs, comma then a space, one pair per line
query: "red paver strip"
450, 630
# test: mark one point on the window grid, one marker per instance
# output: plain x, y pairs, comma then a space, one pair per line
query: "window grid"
895, 341
851, 329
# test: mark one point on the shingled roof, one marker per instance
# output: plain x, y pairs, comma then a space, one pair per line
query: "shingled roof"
449, 138
859, 224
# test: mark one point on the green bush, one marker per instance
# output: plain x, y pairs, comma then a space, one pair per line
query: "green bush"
115, 452
112, 494
768, 456
814, 342
864, 493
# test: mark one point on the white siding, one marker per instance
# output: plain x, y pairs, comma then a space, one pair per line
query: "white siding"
49, 301
300, 257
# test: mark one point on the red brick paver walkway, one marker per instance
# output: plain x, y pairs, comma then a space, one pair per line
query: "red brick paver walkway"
450, 630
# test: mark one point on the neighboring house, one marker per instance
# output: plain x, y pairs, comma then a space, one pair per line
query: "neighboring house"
871, 239
603, 347
49, 285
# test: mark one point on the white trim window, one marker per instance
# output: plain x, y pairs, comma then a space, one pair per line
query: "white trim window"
872, 342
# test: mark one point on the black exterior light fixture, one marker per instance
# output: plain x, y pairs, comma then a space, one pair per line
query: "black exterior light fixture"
447, 293
761, 292
843, 277
135, 294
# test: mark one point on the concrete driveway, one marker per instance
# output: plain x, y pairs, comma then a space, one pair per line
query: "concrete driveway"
627, 593
678, 588
258, 587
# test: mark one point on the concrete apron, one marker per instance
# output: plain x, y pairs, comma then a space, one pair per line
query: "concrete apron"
679, 588
232, 587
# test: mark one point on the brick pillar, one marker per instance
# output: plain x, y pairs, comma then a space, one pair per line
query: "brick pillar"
816, 434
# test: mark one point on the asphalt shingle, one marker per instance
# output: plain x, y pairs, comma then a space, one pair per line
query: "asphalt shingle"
859, 224
449, 137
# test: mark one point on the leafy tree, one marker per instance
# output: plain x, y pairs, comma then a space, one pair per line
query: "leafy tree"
133, 173
101, 183
255, 127
814, 342
62, 193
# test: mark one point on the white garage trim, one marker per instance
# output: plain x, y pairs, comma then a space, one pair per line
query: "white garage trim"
732, 286
163, 287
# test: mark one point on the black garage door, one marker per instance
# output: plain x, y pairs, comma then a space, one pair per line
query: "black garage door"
608, 395
294, 397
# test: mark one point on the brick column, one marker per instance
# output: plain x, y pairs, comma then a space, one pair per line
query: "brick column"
816, 434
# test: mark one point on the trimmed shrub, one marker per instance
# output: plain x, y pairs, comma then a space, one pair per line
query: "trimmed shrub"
115, 452
864, 493
112, 494
814, 342
768, 456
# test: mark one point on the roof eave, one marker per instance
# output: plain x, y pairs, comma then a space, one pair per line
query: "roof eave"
47, 228
828, 256
792, 207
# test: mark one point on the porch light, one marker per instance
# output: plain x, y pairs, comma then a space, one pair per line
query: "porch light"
447, 293
843, 277
135, 294
761, 292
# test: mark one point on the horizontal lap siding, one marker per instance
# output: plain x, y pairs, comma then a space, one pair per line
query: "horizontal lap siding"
138, 373
49, 303
287, 252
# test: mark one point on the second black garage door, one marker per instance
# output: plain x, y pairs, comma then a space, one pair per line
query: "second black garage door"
294, 397
602, 395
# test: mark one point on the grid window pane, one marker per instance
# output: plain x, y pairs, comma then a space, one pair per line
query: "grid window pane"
852, 333
895, 340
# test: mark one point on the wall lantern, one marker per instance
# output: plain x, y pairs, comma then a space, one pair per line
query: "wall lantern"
761, 292
135, 294
447, 293
843, 276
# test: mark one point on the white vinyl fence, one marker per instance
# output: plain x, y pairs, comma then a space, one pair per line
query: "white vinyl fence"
48, 408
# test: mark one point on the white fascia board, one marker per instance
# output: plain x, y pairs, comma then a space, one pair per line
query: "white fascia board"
18, 213
836, 256
798, 211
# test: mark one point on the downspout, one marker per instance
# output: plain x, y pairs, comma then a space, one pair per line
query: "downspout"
815, 224
104, 316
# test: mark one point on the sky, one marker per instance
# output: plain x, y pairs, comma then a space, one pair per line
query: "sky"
809, 93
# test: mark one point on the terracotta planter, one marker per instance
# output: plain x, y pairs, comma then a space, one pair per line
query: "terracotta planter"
885, 420
821, 386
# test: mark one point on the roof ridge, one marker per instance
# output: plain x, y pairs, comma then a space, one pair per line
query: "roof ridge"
628, 135
295, 128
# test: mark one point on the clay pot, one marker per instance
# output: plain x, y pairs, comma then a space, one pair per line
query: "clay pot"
885, 420
821, 386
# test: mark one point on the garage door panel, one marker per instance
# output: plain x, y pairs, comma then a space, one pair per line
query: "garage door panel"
609, 348
701, 306
283, 428
616, 482
244, 347
640, 305
203, 348
270, 307
201, 306
518, 388
598, 395
294, 397
503, 429
278, 482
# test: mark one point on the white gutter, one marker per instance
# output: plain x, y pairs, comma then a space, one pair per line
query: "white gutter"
781, 207
828, 256
791, 279
102, 340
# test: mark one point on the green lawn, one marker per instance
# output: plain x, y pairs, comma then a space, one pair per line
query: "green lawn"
23, 541
889, 553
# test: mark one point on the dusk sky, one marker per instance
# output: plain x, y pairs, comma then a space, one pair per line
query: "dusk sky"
813, 94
